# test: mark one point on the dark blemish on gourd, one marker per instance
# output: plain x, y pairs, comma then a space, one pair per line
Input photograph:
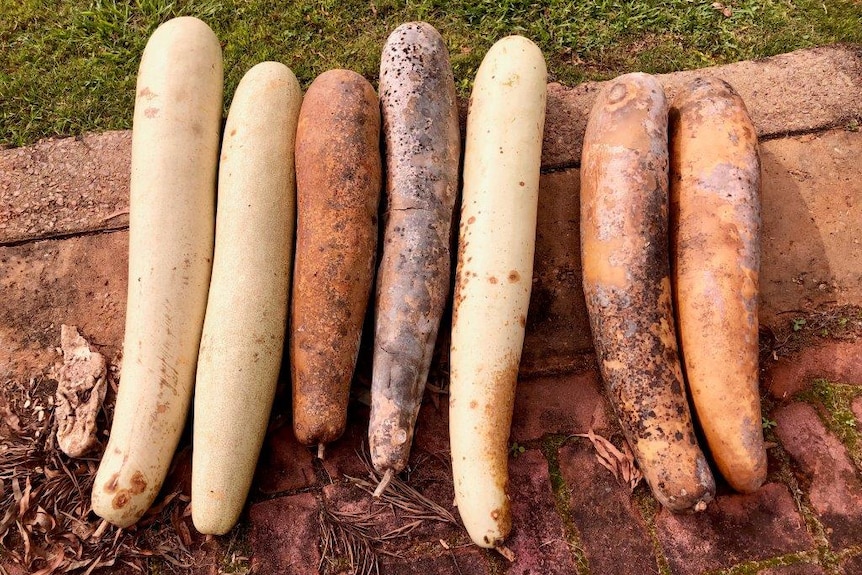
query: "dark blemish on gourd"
522, 184
120, 500
514, 276
138, 483
474, 404
492, 280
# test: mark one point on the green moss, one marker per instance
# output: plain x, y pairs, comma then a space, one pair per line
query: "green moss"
649, 507
837, 413
755, 567
550, 447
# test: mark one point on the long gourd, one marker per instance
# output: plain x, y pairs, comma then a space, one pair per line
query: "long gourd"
494, 278
715, 214
624, 250
175, 141
338, 172
423, 146
246, 317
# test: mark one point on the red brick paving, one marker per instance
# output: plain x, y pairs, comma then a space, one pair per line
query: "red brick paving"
455, 561
563, 404
284, 464
340, 457
614, 535
734, 529
538, 539
284, 535
852, 565
836, 361
796, 569
825, 469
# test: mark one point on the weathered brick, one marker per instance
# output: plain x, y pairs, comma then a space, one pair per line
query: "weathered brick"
734, 529
799, 91
839, 361
614, 536
795, 569
78, 281
432, 428
61, 186
342, 456
572, 403
285, 535
284, 464
810, 189
538, 538
456, 561
852, 565
825, 468
558, 332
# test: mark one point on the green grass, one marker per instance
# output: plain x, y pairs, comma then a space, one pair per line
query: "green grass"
68, 66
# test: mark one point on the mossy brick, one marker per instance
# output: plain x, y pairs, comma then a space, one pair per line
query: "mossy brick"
614, 535
839, 361
538, 537
735, 528
825, 469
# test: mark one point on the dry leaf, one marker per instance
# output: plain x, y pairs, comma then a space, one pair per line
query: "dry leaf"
620, 463
81, 387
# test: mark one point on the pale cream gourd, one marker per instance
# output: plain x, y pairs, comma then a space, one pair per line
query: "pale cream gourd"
243, 337
175, 140
494, 278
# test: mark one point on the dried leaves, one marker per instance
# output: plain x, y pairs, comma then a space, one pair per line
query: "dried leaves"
359, 537
46, 525
621, 463
81, 385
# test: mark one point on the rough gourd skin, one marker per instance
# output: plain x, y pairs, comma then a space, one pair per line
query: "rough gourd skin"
338, 174
494, 278
243, 336
624, 249
175, 140
423, 146
715, 214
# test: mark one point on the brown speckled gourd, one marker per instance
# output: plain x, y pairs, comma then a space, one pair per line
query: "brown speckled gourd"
338, 174
422, 143
715, 231
624, 249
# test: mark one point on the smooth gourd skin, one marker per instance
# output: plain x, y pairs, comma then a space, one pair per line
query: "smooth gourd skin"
715, 210
175, 140
338, 174
624, 250
494, 278
246, 317
423, 147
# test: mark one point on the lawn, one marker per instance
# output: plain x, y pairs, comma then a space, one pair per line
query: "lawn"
69, 66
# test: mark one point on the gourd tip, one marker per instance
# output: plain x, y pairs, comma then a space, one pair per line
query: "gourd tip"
384, 483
